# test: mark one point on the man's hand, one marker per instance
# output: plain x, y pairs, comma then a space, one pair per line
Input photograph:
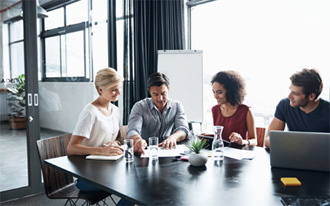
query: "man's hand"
169, 143
140, 145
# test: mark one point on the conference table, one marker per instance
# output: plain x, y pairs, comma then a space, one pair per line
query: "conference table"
171, 181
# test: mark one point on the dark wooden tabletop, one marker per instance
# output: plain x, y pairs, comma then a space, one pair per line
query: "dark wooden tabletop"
170, 181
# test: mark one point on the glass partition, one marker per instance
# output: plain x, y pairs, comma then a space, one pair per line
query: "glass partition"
13, 138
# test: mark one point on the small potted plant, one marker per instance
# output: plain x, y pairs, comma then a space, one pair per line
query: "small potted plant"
16, 102
196, 158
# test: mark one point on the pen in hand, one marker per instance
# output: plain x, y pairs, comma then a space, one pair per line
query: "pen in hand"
106, 145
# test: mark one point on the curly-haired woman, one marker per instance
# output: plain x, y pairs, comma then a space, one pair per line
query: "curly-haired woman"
229, 90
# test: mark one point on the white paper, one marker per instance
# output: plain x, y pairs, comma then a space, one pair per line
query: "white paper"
180, 149
238, 154
102, 157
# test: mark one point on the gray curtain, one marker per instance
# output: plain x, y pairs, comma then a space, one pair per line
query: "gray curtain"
150, 25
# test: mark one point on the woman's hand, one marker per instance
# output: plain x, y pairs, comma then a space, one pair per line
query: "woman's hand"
112, 149
235, 137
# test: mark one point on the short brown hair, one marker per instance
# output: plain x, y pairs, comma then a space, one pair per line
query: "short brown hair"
310, 81
158, 79
234, 85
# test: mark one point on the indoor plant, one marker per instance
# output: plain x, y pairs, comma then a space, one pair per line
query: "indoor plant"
196, 158
16, 102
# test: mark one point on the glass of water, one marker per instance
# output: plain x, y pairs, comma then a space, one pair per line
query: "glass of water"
153, 148
129, 150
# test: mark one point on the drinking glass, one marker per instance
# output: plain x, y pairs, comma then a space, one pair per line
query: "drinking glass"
129, 150
153, 148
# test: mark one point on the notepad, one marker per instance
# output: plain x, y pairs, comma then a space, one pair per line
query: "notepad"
103, 157
180, 149
290, 181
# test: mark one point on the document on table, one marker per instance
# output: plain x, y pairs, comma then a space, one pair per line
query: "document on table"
102, 157
180, 149
238, 153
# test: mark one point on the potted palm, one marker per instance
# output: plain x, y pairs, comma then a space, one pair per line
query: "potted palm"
196, 158
16, 102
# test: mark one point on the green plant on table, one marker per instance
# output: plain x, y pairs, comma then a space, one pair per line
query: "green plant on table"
197, 145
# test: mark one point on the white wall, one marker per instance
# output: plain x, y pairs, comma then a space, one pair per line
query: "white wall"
61, 103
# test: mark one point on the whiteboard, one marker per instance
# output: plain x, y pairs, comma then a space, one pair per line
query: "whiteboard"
184, 69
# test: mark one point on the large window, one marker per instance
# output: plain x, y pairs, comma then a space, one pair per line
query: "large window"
100, 35
266, 42
66, 43
76, 41
16, 50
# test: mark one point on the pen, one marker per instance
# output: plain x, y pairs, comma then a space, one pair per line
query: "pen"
105, 145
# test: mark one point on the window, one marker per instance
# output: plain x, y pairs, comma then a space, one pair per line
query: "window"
266, 42
99, 35
72, 11
55, 19
13, 47
66, 43
16, 48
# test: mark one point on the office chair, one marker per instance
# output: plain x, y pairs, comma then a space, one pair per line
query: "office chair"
123, 131
260, 136
59, 185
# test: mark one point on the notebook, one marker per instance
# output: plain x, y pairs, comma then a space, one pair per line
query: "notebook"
300, 150
101, 157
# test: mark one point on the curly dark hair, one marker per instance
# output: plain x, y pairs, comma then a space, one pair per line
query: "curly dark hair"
234, 85
310, 81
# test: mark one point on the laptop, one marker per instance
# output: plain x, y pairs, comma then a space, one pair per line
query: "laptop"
300, 150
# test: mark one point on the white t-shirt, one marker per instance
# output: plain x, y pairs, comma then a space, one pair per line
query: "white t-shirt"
97, 128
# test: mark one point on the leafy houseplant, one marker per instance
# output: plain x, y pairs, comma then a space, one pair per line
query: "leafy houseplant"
196, 158
197, 145
16, 102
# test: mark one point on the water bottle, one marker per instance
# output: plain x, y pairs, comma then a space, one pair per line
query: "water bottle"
217, 144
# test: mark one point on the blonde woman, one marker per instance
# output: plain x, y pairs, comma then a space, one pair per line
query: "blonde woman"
98, 129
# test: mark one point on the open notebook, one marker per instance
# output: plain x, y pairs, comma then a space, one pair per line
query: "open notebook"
102, 157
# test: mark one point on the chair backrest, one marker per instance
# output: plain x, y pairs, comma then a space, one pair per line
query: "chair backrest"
54, 179
123, 133
260, 136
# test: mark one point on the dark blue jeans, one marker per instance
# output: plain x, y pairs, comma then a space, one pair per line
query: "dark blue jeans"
84, 186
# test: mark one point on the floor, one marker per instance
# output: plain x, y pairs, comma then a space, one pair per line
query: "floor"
13, 156
13, 162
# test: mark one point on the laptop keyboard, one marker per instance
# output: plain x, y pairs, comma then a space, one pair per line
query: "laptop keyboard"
302, 201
